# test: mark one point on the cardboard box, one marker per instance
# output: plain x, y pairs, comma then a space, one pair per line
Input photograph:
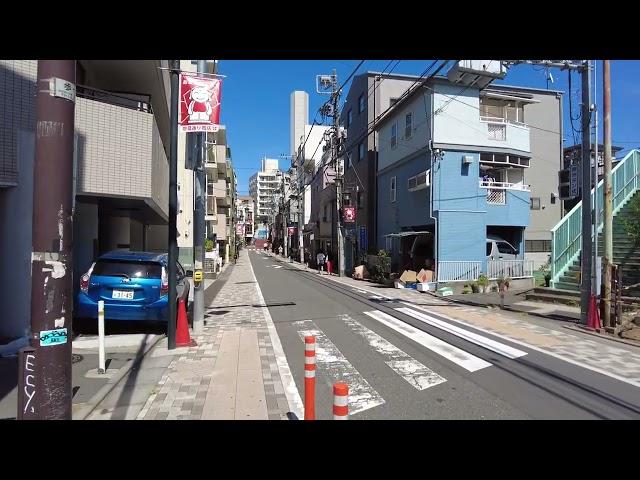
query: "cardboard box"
426, 287
425, 276
408, 276
360, 272
398, 284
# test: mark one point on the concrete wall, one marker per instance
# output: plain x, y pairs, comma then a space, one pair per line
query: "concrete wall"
16, 214
120, 153
546, 161
299, 117
157, 237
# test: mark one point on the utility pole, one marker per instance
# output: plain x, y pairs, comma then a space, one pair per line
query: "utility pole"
587, 218
199, 227
608, 197
337, 161
586, 254
173, 206
52, 256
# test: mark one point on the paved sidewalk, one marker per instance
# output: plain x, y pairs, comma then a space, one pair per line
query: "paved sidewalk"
236, 371
619, 360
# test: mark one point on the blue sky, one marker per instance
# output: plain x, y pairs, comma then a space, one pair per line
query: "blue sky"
255, 101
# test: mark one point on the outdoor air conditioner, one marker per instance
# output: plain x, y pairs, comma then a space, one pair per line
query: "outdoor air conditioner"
467, 159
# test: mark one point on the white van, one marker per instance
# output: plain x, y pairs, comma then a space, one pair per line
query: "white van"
499, 249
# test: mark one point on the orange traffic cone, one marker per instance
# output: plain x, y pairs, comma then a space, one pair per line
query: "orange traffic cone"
183, 339
593, 319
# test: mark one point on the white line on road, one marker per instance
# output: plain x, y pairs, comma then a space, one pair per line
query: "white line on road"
485, 342
459, 357
333, 364
289, 384
577, 363
418, 375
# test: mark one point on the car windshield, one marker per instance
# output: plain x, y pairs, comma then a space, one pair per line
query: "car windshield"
504, 247
127, 268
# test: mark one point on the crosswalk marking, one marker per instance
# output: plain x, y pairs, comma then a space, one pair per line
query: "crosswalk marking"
451, 353
331, 363
414, 372
481, 340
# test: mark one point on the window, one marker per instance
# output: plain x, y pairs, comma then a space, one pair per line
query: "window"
537, 246
361, 104
535, 203
127, 268
324, 214
394, 135
349, 117
489, 248
408, 125
392, 189
393, 101
361, 151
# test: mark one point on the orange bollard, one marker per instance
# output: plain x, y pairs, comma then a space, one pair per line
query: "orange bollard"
183, 339
310, 378
340, 401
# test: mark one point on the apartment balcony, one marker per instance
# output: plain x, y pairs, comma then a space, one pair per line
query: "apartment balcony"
120, 154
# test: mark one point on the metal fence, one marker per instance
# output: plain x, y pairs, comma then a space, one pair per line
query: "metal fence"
455, 271
509, 268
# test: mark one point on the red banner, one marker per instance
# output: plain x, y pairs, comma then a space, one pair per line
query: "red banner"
199, 103
349, 214
240, 229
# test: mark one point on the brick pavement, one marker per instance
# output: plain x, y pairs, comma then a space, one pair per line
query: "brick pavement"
233, 372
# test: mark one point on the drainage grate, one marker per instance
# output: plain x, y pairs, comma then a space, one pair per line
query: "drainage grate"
75, 358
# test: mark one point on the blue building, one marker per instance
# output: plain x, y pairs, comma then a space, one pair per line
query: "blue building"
453, 196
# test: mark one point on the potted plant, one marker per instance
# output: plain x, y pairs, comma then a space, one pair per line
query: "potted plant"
503, 283
546, 272
466, 289
547, 279
475, 287
483, 283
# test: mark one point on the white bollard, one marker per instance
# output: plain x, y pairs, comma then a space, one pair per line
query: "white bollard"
101, 361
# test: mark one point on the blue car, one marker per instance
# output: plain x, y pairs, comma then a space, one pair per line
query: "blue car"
133, 286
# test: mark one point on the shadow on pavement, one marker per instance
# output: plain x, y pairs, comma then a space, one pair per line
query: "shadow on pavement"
127, 391
119, 327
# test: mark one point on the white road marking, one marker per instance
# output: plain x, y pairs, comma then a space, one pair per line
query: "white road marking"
418, 375
481, 340
333, 364
633, 382
459, 357
289, 384
277, 266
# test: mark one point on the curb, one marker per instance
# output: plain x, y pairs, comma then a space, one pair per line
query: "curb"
89, 407
606, 337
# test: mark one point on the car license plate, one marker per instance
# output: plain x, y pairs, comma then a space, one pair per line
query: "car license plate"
124, 294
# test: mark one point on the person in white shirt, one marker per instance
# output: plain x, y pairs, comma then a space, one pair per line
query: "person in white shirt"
320, 259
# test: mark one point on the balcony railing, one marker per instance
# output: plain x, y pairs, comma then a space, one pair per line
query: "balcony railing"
455, 271
496, 191
111, 98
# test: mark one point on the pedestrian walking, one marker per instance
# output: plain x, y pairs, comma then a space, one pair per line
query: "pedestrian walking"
320, 260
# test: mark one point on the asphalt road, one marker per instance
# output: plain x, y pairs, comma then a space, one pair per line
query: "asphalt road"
415, 364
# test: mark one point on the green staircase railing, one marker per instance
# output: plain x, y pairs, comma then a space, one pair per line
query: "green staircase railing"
566, 236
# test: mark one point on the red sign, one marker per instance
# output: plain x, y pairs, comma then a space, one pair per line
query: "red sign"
199, 103
349, 214
291, 230
240, 229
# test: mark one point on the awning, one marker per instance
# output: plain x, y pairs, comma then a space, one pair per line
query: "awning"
502, 96
408, 234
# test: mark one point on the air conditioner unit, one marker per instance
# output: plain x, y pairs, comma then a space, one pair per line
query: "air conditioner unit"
467, 159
